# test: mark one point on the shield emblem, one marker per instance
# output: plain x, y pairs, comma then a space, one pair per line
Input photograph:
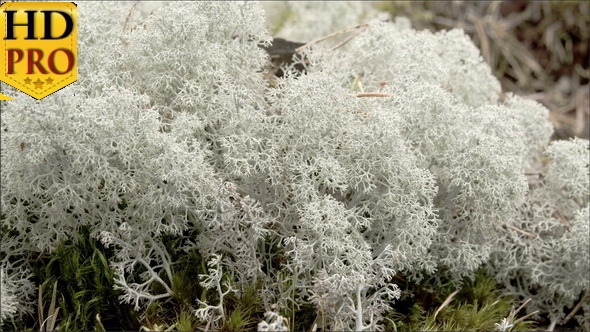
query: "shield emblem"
39, 47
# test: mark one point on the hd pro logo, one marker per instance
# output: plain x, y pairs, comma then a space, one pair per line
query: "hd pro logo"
39, 46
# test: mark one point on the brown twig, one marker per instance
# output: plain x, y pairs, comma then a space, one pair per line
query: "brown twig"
349, 38
576, 308
513, 313
334, 34
520, 230
525, 317
561, 218
373, 94
520, 308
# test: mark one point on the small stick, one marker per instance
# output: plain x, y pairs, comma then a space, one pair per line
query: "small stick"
315, 41
373, 94
522, 306
561, 218
576, 308
349, 38
520, 230
525, 317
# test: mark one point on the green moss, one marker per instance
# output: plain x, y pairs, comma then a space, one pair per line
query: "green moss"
477, 306
84, 286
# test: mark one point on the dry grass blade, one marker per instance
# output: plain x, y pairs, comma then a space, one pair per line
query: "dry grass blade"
445, 303
40, 308
99, 323
52, 310
483, 37
47, 324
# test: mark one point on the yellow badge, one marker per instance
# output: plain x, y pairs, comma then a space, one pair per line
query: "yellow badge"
38, 50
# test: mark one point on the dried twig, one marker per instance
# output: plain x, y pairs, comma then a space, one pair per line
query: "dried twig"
520, 230
525, 317
522, 306
349, 38
373, 94
334, 34
483, 37
513, 313
576, 308
561, 218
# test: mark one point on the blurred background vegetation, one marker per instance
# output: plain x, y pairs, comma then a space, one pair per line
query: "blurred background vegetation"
537, 49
